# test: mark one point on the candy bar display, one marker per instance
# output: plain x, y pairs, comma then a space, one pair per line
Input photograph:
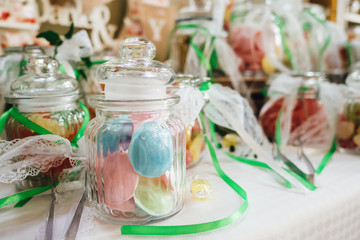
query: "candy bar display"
135, 146
48, 100
295, 110
348, 125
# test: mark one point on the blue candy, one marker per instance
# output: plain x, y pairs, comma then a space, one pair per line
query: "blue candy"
151, 149
115, 135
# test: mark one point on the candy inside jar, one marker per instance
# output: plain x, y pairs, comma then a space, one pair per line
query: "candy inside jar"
348, 124
135, 146
49, 103
301, 114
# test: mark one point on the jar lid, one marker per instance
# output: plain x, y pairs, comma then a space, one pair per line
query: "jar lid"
184, 80
43, 80
135, 74
353, 80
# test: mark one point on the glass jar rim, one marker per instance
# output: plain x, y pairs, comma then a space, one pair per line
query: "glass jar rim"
99, 102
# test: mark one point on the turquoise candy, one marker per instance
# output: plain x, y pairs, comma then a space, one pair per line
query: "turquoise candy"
115, 135
151, 149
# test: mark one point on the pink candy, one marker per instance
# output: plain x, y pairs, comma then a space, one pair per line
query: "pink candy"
247, 44
120, 181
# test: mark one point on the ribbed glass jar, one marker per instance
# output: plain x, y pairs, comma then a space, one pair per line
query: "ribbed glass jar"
136, 160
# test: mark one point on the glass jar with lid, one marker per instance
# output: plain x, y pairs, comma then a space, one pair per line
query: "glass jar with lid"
48, 99
195, 143
135, 146
197, 13
348, 124
299, 108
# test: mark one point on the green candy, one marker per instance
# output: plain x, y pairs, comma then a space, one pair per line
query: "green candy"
154, 196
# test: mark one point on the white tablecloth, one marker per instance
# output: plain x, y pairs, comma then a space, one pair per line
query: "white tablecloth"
275, 212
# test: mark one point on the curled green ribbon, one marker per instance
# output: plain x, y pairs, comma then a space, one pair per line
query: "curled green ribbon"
280, 23
196, 228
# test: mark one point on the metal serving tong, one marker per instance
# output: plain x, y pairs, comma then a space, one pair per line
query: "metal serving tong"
278, 155
75, 222
50, 221
302, 155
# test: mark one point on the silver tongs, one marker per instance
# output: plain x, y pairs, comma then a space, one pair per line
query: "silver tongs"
302, 155
50, 221
277, 154
75, 222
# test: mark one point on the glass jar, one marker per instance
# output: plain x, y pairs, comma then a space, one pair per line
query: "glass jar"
303, 115
48, 99
198, 12
195, 142
135, 146
348, 124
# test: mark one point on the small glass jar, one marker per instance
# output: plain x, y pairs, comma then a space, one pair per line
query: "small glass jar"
135, 146
348, 124
198, 12
47, 99
195, 142
306, 113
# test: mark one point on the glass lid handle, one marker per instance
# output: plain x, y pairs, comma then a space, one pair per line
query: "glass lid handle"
43, 65
137, 48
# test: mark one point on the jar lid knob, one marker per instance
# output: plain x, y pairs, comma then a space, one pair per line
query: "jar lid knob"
42, 64
137, 48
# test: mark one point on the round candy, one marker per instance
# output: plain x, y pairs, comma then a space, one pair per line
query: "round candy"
119, 179
114, 135
196, 147
356, 139
266, 65
230, 139
200, 189
345, 129
151, 149
154, 195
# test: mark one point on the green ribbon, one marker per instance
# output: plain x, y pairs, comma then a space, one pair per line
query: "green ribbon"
259, 164
197, 50
328, 39
196, 228
281, 26
22, 196
348, 52
81, 131
325, 160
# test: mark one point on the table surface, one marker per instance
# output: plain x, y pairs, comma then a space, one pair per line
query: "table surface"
275, 212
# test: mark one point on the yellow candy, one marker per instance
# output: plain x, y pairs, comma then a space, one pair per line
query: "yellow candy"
229, 140
200, 189
267, 66
345, 129
358, 130
356, 139
196, 146
188, 135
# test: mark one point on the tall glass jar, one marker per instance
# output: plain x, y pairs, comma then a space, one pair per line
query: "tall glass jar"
49, 100
348, 124
198, 13
135, 146
302, 115
195, 142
